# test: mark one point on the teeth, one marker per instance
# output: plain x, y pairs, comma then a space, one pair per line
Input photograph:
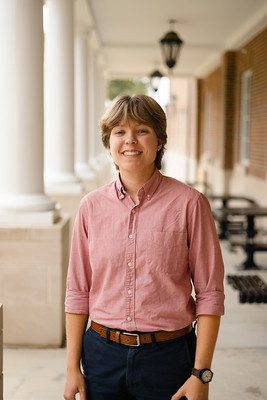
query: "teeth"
131, 153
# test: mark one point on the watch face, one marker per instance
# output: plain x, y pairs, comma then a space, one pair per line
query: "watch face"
206, 375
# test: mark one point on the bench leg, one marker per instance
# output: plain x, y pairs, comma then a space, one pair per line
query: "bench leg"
223, 230
249, 262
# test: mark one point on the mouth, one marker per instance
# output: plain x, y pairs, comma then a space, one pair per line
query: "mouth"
131, 153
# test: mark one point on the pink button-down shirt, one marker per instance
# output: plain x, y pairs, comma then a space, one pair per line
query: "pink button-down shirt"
132, 266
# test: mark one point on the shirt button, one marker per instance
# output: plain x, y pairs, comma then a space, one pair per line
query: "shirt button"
129, 292
130, 236
148, 196
133, 211
129, 264
121, 196
129, 319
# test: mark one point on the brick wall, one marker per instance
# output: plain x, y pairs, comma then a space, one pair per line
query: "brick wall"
228, 103
221, 86
224, 86
212, 85
253, 56
199, 116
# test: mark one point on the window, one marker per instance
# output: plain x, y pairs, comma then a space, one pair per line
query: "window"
207, 116
244, 127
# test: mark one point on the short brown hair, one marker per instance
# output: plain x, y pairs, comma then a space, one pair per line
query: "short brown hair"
140, 108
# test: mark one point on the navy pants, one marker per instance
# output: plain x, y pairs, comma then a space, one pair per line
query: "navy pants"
149, 372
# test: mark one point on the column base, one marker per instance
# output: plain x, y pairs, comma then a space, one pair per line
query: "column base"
27, 210
26, 203
84, 172
62, 183
42, 218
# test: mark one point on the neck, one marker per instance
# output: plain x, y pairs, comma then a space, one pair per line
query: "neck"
133, 182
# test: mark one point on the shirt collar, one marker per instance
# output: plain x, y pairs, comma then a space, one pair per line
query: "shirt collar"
119, 188
149, 187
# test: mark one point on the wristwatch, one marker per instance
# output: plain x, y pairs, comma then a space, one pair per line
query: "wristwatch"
205, 375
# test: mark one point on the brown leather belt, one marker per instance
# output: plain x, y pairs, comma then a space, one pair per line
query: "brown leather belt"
135, 339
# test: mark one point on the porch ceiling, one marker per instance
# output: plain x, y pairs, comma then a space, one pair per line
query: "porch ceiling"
127, 32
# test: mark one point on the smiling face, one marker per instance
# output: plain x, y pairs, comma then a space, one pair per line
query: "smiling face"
133, 147
141, 110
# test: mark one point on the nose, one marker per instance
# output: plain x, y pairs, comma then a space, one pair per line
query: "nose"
131, 137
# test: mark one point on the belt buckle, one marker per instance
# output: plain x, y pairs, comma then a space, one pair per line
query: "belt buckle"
137, 338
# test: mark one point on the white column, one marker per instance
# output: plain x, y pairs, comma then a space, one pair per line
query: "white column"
81, 104
96, 108
91, 108
100, 95
59, 97
21, 111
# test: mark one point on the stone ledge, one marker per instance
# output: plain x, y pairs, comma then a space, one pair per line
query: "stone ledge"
33, 271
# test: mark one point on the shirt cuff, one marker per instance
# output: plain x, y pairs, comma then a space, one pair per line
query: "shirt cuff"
210, 303
77, 302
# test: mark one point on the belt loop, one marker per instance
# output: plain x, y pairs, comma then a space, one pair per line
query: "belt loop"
153, 339
108, 335
117, 336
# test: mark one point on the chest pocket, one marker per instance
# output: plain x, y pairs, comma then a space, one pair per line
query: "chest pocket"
165, 251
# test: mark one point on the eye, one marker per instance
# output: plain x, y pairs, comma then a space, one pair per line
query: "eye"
143, 131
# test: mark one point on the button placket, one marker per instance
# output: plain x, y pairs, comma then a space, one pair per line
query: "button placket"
130, 272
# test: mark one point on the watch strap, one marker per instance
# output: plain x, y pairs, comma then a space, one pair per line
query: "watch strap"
196, 372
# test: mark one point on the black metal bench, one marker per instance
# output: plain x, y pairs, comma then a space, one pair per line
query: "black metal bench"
252, 289
250, 247
249, 241
229, 224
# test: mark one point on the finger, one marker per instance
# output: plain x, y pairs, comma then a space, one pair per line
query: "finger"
82, 394
69, 397
178, 395
70, 394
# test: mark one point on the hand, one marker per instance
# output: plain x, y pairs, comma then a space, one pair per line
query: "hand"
74, 384
193, 389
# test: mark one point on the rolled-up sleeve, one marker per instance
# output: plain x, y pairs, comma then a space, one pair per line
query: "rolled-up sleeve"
205, 259
79, 271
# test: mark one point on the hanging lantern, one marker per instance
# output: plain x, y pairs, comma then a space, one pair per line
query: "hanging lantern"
171, 45
155, 78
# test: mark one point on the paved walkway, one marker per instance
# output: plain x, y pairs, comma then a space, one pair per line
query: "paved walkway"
240, 360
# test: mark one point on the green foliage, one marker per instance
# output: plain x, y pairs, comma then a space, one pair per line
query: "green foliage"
118, 87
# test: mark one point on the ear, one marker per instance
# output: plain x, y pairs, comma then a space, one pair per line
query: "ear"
159, 145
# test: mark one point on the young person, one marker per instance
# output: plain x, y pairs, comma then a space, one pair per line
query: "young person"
140, 244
